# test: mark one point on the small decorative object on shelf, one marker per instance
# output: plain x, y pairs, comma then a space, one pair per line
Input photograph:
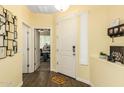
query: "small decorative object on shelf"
116, 31
103, 55
8, 33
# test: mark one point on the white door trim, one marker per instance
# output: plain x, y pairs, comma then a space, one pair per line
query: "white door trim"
30, 46
51, 44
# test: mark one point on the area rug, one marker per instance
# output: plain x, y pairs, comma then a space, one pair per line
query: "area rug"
58, 79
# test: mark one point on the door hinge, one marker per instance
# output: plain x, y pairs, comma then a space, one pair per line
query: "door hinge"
34, 63
28, 65
57, 62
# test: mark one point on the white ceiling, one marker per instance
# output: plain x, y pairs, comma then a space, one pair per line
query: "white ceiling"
42, 8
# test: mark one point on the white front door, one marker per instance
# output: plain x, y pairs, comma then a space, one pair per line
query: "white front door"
66, 46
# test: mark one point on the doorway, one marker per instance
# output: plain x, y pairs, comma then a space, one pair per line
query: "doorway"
42, 48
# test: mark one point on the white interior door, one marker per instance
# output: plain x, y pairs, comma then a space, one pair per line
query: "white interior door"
66, 46
26, 49
37, 49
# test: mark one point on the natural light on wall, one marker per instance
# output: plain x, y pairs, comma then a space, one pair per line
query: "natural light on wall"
61, 8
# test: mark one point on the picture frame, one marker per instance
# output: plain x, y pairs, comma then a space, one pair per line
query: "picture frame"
7, 27
11, 27
2, 13
9, 16
1, 41
10, 45
15, 34
8, 53
15, 50
2, 26
116, 31
10, 35
2, 52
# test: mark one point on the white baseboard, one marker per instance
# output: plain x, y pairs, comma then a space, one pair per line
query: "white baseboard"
20, 84
84, 80
11, 84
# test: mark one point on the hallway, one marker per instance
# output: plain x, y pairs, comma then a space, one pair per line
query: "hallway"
43, 78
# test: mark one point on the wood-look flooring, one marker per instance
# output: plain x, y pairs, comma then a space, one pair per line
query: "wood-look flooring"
42, 78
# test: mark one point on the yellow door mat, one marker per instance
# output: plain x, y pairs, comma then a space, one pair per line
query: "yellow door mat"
58, 79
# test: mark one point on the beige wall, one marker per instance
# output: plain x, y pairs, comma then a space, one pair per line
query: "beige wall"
102, 72
97, 22
99, 19
11, 67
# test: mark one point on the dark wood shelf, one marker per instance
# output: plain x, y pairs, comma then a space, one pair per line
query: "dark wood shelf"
116, 31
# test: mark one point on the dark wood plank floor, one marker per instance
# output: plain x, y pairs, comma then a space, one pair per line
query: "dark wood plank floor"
42, 78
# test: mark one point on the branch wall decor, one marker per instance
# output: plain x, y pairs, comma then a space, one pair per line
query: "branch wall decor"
8, 33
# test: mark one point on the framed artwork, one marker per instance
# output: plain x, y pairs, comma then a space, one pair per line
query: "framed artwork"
5, 42
15, 49
15, 20
12, 53
1, 41
15, 34
7, 26
116, 30
11, 27
8, 33
2, 52
121, 30
2, 26
14, 43
2, 13
9, 16
8, 53
10, 45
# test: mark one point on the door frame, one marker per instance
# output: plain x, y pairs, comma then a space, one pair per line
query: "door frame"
59, 19
31, 69
35, 50
51, 44
24, 37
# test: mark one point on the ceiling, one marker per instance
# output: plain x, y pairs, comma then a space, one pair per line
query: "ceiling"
42, 8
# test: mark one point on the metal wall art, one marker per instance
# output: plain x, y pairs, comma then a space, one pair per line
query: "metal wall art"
8, 33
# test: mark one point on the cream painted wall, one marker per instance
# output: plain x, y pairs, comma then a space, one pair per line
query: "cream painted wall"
103, 73
99, 74
40, 20
99, 19
11, 67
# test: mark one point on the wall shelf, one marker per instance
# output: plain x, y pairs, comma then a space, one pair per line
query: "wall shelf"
116, 31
